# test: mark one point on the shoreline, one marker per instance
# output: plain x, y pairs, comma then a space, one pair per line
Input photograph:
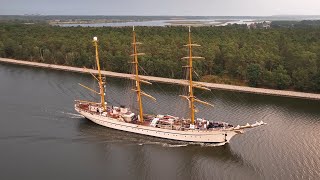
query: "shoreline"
244, 89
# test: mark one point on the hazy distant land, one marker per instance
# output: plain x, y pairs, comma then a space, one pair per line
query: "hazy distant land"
118, 21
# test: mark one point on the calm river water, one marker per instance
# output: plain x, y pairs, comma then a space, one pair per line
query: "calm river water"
42, 137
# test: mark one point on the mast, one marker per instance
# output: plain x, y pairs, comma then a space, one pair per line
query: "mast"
103, 105
137, 78
191, 98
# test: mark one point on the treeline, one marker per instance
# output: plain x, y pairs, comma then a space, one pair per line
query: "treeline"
280, 58
295, 24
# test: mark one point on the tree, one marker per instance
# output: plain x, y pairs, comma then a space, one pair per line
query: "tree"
254, 74
229, 53
300, 79
316, 82
281, 79
267, 79
2, 53
10, 48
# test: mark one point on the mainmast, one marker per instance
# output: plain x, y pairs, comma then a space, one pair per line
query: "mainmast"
137, 78
191, 98
136, 71
101, 84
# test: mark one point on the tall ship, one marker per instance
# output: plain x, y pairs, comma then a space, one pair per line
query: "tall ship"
166, 126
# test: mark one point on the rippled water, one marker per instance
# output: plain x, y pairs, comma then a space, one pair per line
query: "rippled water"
42, 137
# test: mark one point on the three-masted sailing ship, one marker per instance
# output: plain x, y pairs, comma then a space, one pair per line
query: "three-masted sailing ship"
170, 127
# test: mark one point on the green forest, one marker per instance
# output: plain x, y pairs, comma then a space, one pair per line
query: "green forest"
277, 58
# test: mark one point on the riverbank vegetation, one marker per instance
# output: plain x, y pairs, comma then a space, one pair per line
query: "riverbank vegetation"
279, 58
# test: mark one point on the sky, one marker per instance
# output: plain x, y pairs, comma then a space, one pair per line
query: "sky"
161, 7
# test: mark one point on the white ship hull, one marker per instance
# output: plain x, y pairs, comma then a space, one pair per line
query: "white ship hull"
210, 136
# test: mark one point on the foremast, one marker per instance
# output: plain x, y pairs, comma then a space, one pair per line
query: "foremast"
191, 98
101, 83
136, 77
